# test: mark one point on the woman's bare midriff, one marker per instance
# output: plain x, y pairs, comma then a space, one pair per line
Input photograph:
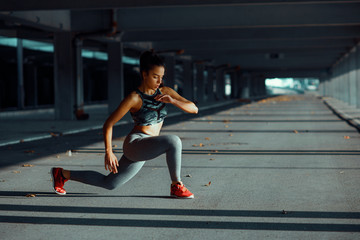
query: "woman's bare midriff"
153, 130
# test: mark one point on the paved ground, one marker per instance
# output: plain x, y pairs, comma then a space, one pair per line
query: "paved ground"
284, 168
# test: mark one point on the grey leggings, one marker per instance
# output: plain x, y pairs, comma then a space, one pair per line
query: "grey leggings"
138, 147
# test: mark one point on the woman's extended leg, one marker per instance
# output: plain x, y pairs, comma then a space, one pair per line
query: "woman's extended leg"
127, 169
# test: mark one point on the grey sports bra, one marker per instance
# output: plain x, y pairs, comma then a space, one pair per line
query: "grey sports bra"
151, 111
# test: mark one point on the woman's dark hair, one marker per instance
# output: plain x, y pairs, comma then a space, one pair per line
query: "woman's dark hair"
149, 59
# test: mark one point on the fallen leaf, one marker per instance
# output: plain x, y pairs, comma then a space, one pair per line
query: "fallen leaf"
346, 137
226, 121
27, 165
295, 131
199, 145
231, 135
207, 138
208, 185
114, 145
215, 151
226, 126
212, 159
57, 156
54, 134
16, 171
29, 151
30, 195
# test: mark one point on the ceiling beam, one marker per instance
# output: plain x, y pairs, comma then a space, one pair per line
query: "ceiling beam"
26, 5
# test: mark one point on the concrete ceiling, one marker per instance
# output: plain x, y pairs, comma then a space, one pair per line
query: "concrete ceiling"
275, 38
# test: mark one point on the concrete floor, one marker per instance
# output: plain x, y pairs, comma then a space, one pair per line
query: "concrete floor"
283, 168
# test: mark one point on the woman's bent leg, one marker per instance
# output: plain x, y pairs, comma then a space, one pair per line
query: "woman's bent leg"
127, 169
146, 148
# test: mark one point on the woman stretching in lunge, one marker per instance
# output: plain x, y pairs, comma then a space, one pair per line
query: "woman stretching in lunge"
148, 110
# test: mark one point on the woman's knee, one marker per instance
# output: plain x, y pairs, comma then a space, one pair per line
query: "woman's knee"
174, 141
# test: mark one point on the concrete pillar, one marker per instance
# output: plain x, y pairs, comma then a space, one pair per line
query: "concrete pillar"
347, 80
245, 84
169, 79
188, 89
352, 79
211, 79
79, 75
344, 82
357, 59
115, 75
20, 74
234, 84
200, 88
220, 84
337, 84
64, 75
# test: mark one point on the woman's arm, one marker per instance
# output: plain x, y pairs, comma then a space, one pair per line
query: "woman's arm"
171, 96
128, 103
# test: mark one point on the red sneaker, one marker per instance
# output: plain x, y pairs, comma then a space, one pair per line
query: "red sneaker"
58, 181
180, 191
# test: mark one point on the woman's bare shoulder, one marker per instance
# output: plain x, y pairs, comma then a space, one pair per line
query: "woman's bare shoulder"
166, 90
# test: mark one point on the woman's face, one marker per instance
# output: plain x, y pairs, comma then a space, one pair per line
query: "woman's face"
153, 78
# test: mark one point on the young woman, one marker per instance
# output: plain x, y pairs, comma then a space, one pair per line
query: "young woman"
147, 106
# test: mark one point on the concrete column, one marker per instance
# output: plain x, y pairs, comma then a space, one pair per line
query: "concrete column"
200, 88
344, 82
211, 81
188, 81
79, 75
352, 79
245, 83
337, 85
169, 79
115, 75
357, 59
64, 75
347, 80
220, 84
234, 84
20, 74
253, 84
35, 76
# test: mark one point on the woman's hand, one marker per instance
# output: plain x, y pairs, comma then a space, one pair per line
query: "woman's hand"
111, 162
165, 98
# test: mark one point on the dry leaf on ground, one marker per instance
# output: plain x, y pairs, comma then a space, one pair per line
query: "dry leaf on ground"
30, 195
295, 131
207, 138
27, 165
346, 137
16, 171
208, 185
29, 151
